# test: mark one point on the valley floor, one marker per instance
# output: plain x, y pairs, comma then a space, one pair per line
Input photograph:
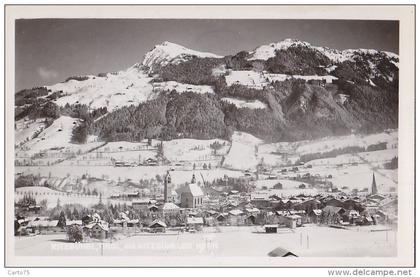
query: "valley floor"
244, 241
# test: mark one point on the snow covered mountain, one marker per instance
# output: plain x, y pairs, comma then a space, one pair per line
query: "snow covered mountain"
285, 90
169, 52
264, 52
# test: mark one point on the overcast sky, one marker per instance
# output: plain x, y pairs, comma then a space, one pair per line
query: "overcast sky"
50, 50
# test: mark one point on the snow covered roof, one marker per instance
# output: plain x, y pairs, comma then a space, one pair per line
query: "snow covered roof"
170, 206
332, 209
43, 223
252, 210
235, 212
317, 211
102, 224
157, 223
270, 226
194, 189
195, 220
71, 222
294, 216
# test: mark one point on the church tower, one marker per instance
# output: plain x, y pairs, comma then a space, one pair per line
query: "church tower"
167, 188
374, 188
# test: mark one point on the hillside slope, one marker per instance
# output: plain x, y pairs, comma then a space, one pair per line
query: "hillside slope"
289, 90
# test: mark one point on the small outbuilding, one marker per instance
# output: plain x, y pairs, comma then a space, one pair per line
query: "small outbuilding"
270, 228
281, 252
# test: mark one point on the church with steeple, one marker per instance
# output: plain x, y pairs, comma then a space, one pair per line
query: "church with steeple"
374, 188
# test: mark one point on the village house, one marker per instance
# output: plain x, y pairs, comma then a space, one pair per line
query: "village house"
332, 214
157, 226
195, 223
308, 205
97, 230
236, 217
170, 209
142, 204
260, 200
222, 218
315, 216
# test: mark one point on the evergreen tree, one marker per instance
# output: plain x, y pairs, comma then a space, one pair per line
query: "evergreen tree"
62, 220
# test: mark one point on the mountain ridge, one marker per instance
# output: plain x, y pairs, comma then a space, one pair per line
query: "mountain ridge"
294, 90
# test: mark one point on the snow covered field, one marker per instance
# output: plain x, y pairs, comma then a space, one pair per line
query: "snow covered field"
58, 135
230, 242
26, 130
331, 143
52, 196
113, 91
125, 173
259, 80
180, 88
242, 154
254, 104
192, 149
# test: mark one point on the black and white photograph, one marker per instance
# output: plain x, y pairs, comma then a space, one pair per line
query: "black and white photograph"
275, 139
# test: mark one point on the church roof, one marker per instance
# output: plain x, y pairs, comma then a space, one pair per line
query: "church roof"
194, 189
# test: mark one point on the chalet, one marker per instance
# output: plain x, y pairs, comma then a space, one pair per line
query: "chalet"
133, 195
153, 208
133, 223
142, 204
251, 219
351, 204
41, 225
74, 222
315, 216
334, 203
222, 217
332, 210
308, 205
157, 226
210, 213
351, 216
97, 230
170, 209
333, 214
260, 200
376, 197
236, 217
293, 221
191, 195
195, 223
252, 211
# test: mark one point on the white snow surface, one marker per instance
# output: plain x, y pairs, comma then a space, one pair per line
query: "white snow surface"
124, 88
192, 149
57, 135
258, 80
180, 87
26, 130
251, 104
242, 154
264, 52
169, 52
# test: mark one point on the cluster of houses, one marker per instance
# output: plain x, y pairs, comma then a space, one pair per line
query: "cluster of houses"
189, 209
